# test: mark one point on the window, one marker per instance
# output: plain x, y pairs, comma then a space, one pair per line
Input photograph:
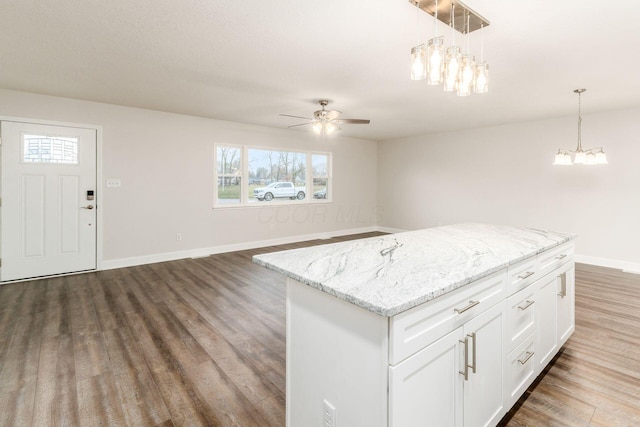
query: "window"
49, 149
319, 171
248, 176
229, 174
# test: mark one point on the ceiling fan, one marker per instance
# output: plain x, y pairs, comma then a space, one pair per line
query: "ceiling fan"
326, 122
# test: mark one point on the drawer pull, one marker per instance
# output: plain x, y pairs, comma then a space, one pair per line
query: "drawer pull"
527, 304
561, 256
527, 274
469, 307
527, 357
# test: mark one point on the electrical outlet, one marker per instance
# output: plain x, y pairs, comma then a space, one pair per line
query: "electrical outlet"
328, 414
179, 236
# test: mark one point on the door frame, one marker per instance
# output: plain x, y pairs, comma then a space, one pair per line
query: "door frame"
99, 186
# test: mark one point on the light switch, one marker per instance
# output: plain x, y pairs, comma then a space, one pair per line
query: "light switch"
113, 183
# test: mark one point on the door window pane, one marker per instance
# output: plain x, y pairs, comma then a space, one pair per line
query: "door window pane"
48, 149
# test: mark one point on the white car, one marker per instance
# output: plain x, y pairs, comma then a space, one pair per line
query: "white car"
279, 190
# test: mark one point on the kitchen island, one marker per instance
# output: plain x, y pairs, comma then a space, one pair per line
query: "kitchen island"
442, 326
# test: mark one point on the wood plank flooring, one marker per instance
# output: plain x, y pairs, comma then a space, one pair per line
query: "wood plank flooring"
201, 342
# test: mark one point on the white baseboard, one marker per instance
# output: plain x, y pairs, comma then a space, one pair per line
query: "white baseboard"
626, 266
202, 252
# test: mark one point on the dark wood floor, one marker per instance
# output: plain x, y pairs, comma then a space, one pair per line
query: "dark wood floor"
202, 342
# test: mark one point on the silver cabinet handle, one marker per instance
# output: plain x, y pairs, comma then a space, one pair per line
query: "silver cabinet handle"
472, 335
87, 207
561, 256
528, 356
563, 285
527, 304
527, 274
472, 304
465, 373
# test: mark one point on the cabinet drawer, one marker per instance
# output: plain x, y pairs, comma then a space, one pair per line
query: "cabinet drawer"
415, 329
522, 274
556, 257
520, 316
520, 370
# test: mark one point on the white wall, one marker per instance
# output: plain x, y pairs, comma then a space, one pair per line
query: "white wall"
505, 175
165, 162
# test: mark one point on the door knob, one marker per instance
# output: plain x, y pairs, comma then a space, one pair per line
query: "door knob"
87, 207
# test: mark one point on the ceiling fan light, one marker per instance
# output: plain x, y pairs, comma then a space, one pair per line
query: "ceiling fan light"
330, 128
435, 60
317, 127
418, 63
481, 80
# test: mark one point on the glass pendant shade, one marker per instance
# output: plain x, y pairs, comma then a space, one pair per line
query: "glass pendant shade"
330, 128
580, 158
418, 63
590, 159
481, 82
317, 127
435, 60
562, 159
465, 76
601, 158
451, 68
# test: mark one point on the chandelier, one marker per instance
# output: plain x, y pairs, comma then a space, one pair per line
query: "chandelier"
454, 67
590, 156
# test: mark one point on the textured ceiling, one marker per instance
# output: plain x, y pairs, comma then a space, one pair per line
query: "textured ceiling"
247, 61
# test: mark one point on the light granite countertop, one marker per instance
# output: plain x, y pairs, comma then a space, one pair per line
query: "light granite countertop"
393, 273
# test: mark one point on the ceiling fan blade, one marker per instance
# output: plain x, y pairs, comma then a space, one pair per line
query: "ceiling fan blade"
297, 117
353, 121
333, 114
301, 124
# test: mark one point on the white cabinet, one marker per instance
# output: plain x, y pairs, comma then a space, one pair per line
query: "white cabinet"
547, 320
566, 303
429, 386
555, 309
483, 391
456, 381
520, 370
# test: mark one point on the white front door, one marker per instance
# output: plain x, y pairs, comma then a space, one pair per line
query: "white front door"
48, 200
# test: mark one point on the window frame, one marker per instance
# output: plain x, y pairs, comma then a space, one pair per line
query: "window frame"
244, 178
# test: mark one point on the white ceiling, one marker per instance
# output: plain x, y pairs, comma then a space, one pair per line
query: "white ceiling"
249, 60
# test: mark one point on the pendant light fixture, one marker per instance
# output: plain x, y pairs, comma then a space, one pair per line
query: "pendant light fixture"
481, 78
590, 156
418, 54
455, 70
468, 66
453, 57
435, 53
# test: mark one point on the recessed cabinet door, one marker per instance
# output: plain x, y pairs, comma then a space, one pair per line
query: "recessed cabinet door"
566, 306
484, 389
426, 389
547, 320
